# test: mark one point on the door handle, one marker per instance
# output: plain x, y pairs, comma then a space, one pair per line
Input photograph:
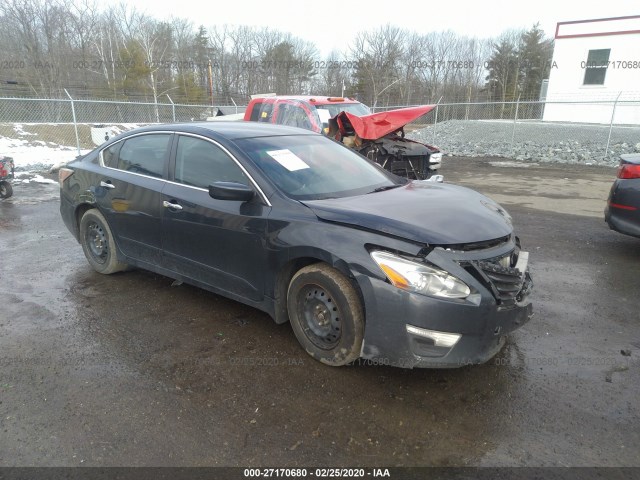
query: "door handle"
172, 206
107, 184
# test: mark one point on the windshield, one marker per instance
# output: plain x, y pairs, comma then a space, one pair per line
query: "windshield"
325, 112
310, 167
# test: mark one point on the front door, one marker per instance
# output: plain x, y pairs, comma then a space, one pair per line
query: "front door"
218, 242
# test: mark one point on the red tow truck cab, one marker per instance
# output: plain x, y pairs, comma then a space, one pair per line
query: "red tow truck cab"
378, 136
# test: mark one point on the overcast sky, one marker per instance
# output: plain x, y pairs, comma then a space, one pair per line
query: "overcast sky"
332, 24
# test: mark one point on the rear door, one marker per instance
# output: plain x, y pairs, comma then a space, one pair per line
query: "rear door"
129, 193
217, 242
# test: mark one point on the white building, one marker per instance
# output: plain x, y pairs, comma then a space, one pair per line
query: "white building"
595, 61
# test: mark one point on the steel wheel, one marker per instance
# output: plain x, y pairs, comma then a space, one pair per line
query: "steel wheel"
320, 316
98, 244
326, 314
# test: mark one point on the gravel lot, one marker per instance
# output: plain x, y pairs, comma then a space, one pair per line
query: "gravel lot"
532, 140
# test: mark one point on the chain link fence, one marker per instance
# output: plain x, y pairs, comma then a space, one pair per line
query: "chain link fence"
590, 132
57, 122
29, 110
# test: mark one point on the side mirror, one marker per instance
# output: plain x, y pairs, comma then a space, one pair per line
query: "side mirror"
233, 191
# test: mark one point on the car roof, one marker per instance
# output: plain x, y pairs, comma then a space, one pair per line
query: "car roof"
313, 99
230, 130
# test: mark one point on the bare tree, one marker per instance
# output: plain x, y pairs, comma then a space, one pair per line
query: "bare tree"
119, 52
378, 55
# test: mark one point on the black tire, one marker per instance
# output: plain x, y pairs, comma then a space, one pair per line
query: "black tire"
98, 244
326, 314
6, 190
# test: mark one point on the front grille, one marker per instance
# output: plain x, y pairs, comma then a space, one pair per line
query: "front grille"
414, 167
506, 281
508, 284
469, 247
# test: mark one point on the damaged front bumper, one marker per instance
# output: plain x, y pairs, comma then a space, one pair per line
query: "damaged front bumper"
412, 330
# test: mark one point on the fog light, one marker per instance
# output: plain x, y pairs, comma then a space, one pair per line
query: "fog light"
440, 339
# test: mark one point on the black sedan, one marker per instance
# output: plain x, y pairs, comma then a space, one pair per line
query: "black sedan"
364, 264
623, 206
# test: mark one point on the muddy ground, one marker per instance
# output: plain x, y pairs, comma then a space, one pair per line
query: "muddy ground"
130, 370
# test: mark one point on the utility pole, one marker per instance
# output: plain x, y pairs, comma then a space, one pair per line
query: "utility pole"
211, 84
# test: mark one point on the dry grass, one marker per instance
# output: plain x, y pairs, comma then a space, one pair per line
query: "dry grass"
60, 134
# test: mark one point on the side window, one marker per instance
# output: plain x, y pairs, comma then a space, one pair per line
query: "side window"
110, 155
144, 154
200, 163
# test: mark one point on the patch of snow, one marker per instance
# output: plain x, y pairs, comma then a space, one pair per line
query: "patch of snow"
102, 132
40, 179
36, 157
49, 156
19, 129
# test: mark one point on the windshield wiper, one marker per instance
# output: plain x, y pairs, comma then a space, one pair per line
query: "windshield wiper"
386, 187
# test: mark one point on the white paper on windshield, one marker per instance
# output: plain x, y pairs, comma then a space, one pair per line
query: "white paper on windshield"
288, 159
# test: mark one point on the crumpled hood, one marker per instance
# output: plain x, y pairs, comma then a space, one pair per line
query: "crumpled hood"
424, 212
377, 125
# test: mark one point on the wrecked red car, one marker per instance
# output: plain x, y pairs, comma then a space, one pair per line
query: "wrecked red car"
378, 136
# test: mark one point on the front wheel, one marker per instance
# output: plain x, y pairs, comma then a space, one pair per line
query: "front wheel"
98, 244
6, 190
326, 314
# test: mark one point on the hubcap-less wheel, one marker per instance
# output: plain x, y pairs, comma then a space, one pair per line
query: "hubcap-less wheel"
97, 242
326, 314
321, 317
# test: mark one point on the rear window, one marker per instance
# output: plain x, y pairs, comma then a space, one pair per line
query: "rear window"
261, 112
255, 112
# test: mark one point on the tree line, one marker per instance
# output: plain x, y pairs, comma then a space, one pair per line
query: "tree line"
120, 53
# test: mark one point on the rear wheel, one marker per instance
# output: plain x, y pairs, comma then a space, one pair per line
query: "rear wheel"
98, 244
6, 190
326, 314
